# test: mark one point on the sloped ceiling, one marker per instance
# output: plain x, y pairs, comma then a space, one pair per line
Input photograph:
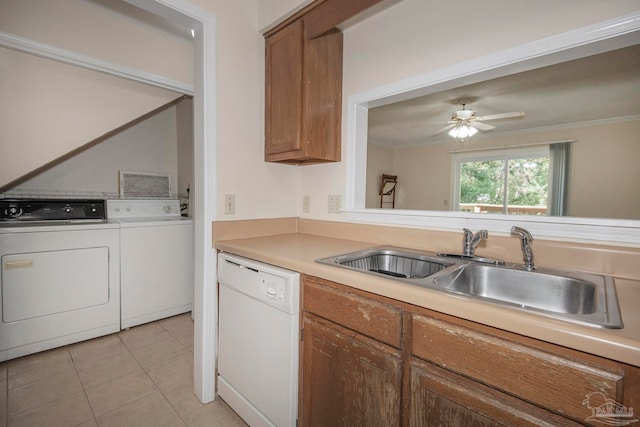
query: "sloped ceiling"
49, 109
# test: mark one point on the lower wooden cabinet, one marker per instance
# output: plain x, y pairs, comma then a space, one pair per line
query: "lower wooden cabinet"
424, 368
442, 398
348, 379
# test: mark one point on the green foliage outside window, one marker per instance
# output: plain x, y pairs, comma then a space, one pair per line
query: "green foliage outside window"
483, 182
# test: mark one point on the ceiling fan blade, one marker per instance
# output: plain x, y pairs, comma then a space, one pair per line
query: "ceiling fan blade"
498, 116
427, 125
482, 126
446, 128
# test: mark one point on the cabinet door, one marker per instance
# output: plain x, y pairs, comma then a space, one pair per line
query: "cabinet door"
548, 379
375, 319
283, 68
348, 380
442, 398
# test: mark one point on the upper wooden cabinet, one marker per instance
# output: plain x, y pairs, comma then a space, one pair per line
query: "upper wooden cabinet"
303, 96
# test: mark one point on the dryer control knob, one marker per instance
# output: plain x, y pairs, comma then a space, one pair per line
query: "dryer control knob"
13, 212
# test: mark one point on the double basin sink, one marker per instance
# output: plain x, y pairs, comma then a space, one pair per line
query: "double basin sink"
588, 299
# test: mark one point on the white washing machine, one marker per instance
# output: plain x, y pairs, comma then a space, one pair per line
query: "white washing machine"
156, 259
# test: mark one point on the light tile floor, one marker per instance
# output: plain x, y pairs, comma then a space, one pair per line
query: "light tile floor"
139, 377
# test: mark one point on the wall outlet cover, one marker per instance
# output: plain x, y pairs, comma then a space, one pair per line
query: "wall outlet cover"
229, 204
334, 203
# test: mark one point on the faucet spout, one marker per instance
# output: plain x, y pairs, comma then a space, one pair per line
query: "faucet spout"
525, 240
471, 241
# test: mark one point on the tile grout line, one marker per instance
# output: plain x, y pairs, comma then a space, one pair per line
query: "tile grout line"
84, 389
146, 371
117, 334
39, 379
184, 421
173, 333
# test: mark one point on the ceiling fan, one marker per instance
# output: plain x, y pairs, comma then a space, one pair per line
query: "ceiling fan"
465, 122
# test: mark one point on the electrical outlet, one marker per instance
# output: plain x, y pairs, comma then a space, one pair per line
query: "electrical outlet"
229, 204
334, 203
306, 202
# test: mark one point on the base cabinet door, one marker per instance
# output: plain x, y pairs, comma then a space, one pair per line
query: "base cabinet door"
349, 380
441, 398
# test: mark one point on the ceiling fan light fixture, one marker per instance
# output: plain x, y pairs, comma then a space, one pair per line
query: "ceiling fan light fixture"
463, 114
463, 131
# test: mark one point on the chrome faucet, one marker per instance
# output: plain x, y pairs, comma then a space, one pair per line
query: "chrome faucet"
527, 253
471, 241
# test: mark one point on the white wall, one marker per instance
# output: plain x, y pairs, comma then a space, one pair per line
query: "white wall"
48, 109
262, 190
184, 129
149, 146
416, 36
113, 31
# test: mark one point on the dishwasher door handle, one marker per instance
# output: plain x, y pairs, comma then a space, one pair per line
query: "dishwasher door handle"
241, 266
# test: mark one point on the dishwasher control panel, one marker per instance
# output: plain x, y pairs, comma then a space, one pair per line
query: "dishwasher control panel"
273, 285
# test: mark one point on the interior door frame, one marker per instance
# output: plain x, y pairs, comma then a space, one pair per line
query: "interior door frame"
204, 189
205, 183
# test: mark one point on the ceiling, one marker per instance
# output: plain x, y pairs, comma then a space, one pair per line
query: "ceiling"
599, 87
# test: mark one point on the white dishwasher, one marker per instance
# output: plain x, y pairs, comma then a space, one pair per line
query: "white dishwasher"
258, 340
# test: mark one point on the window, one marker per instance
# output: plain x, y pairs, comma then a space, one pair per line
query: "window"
514, 181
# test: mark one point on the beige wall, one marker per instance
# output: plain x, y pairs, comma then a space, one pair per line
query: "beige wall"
48, 109
606, 176
262, 190
407, 39
379, 161
273, 11
110, 30
149, 146
415, 36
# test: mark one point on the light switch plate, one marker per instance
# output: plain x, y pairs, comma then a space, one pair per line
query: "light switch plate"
306, 203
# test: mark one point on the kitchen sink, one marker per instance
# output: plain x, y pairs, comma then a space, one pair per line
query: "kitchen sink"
537, 290
588, 298
390, 262
582, 298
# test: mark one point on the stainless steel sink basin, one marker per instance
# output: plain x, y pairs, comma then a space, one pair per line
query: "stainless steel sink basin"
390, 262
582, 298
